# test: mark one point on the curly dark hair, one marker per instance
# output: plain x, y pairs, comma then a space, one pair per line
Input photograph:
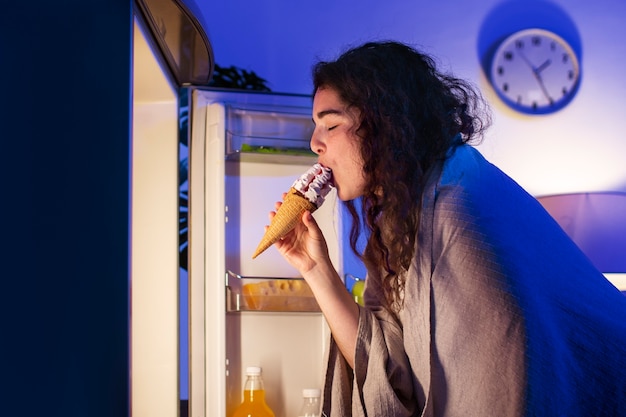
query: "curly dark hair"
411, 116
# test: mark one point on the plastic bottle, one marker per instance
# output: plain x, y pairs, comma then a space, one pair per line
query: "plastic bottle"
310, 403
253, 404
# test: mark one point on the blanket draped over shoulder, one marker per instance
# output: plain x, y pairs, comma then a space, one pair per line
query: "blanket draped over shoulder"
503, 315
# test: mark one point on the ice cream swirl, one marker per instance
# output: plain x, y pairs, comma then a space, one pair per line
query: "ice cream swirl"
315, 184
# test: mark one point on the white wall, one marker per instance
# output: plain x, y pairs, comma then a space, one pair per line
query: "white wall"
580, 148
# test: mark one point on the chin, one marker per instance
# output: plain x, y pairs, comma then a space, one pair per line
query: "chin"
345, 196
340, 195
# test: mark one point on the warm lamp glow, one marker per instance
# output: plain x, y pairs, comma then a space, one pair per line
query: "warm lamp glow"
596, 222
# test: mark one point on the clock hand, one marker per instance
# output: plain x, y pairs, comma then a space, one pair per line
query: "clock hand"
542, 66
543, 87
536, 72
527, 61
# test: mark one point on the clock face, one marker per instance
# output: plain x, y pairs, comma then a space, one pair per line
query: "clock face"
535, 71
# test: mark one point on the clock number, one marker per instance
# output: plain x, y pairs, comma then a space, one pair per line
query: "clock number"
519, 44
536, 40
565, 58
508, 56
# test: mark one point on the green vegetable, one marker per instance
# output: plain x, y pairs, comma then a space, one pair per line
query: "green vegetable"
273, 150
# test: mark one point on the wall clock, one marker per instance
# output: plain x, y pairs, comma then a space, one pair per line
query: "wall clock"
535, 71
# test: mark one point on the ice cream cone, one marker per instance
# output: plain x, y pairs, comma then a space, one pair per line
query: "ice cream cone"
286, 218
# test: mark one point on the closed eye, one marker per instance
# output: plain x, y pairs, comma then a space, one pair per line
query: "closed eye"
332, 127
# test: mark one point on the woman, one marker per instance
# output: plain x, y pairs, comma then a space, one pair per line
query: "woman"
476, 302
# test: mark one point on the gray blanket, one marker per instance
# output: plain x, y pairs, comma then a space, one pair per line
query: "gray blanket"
503, 315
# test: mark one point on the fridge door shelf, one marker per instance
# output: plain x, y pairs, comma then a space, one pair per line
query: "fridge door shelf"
246, 293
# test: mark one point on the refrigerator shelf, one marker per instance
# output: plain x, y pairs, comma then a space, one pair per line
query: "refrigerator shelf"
268, 149
246, 293
269, 134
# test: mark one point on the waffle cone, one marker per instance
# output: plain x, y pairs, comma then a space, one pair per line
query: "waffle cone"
286, 218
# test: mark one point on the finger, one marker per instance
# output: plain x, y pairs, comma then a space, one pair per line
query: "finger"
270, 216
311, 224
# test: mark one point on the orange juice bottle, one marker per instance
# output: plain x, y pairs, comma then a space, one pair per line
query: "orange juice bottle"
253, 404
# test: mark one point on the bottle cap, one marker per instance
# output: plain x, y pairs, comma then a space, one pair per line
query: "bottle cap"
311, 392
253, 370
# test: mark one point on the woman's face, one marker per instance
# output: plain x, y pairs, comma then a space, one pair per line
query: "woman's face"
335, 142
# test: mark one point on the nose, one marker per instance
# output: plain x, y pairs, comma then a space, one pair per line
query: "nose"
316, 144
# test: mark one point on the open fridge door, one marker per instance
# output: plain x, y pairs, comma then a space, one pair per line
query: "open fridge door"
170, 50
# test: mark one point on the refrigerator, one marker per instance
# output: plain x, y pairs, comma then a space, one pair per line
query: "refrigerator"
245, 150
226, 156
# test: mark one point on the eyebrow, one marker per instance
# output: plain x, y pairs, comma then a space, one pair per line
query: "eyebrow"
323, 113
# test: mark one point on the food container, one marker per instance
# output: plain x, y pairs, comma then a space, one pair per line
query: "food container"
269, 294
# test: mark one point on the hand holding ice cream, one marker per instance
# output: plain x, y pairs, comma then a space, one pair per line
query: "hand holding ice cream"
307, 193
